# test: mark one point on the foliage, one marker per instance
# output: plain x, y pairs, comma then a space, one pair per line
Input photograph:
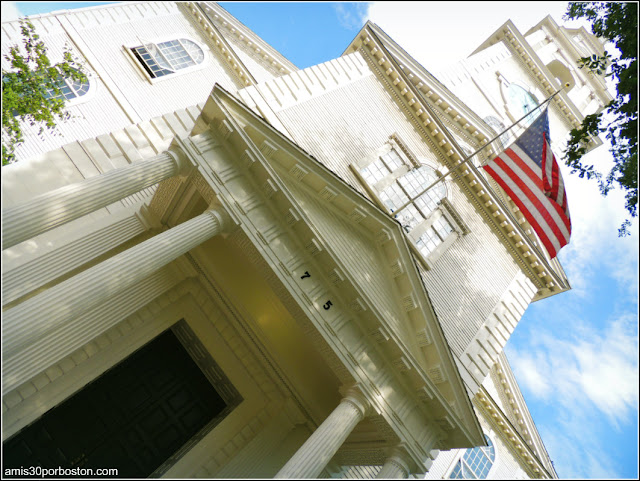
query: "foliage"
31, 89
618, 23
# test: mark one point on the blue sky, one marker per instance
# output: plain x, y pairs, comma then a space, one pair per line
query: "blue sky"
576, 354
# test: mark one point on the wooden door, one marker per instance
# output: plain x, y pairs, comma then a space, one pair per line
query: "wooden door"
133, 417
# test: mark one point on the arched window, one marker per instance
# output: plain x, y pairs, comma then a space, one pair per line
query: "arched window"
562, 74
520, 102
164, 58
398, 180
475, 463
69, 88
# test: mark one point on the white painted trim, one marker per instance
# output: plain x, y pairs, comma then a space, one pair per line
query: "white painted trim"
93, 79
416, 232
460, 454
423, 226
96, 64
128, 48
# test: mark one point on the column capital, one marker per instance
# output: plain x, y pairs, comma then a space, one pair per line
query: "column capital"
148, 218
397, 465
223, 218
181, 159
354, 396
322, 445
399, 457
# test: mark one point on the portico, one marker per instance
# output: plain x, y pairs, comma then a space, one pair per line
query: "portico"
243, 223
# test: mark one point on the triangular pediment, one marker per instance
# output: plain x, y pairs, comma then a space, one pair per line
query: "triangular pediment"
369, 269
244, 52
446, 124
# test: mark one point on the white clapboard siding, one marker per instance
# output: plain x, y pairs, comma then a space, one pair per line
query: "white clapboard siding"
106, 40
121, 93
255, 65
339, 112
468, 280
482, 352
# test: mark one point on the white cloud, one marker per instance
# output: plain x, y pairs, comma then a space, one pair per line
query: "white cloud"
591, 371
351, 15
10, 11
572, 460
608, 370
587, 384
531, 373
437, 34
595, 244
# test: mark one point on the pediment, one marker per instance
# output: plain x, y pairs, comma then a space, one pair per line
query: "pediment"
364, 274
443, 119
223, 27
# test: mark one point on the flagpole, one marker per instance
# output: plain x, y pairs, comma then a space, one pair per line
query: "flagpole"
469, 157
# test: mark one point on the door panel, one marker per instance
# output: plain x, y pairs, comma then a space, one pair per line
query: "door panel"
133, 417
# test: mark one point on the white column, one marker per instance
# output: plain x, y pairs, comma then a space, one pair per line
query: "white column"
31, 275
395, 466
322, 445
34, 318
52, 209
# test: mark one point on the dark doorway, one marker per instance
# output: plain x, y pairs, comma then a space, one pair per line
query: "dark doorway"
133, 417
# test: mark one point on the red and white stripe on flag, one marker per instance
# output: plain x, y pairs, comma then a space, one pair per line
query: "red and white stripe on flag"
529, 174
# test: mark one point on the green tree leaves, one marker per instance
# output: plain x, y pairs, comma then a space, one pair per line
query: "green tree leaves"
31, 89
618, 23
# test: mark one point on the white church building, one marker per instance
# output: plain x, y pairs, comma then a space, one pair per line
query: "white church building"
223, 266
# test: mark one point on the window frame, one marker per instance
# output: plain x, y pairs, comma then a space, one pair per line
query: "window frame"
442, 209
508, 105
128, 49
79, 99
494, 123
459, 459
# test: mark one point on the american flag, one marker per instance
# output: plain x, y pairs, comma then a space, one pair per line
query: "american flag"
529, 174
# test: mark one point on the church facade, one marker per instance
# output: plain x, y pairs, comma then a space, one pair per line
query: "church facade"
223, 266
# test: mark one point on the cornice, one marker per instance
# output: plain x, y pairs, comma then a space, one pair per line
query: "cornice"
518, 405
428, 86
226, 52
516, 444
412, 99
512, 405
225, 22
